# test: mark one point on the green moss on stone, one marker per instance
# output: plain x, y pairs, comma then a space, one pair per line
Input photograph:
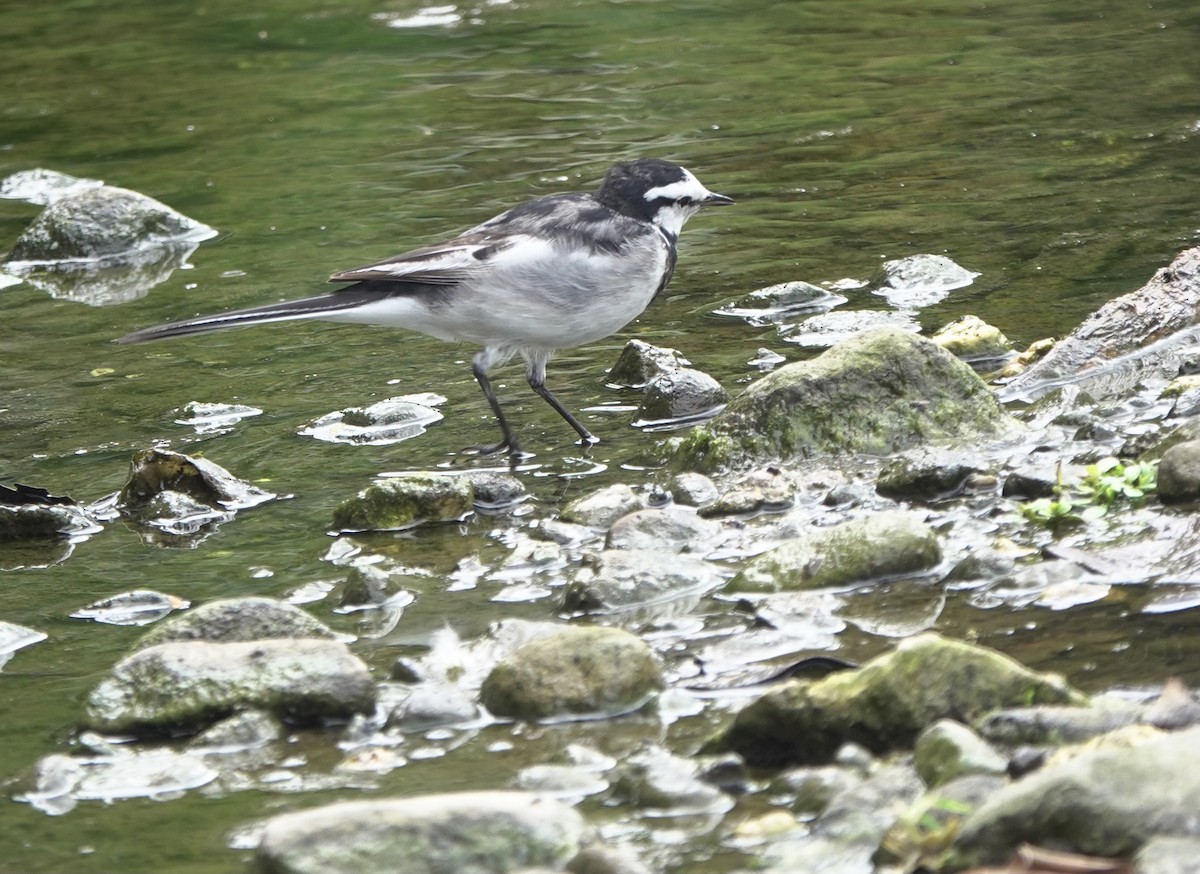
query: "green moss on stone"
406, 501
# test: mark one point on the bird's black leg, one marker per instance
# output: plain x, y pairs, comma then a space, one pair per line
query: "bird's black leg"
478, 367
537, 383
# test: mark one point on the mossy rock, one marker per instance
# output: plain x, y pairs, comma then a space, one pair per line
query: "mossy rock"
403, 502
879, 392
886, 703
577, 672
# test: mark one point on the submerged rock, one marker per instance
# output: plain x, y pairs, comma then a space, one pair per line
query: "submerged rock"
830, 329
90, 223
1150, 330
32, 513
179, 687
403, 502
602, 508
880, 545
886, 703
381, 424
931, 474
920, 280
183, 495
620, 579
41, 186
654, 780
778, 303
974, 340
232, 620
452, 833
113, 280
578, 672
880, 392
94, 243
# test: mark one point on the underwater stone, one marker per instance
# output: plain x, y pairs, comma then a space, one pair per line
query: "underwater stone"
403, 502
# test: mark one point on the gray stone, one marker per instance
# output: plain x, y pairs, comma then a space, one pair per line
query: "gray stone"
1179, 473
1105, 801
672, 528
44, 522
433, 704
1058, 725
948, 749
599, 859
1168, 855
812, 787
920, 280
185, 686
602, 508
452, 833
845, 837
242, 731
766, 490
839, 402
580, 671
692, 489
231, 620
493, 490
1175, 707
782, 302
882, 544
680, 394
929, 474
641, 362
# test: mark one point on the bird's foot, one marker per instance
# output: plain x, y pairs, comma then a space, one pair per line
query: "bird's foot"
507, 445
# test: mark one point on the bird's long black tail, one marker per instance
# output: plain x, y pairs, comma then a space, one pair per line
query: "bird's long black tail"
319, 306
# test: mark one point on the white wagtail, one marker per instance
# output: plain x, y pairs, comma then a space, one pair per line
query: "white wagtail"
553, 273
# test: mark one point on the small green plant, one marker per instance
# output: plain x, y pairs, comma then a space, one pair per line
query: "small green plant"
1106, 483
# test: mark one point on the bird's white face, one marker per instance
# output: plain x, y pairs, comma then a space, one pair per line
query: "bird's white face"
683, 199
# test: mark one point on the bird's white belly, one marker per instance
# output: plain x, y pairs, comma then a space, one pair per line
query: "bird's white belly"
540, 300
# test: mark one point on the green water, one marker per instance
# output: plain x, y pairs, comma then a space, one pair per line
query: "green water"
1049, 146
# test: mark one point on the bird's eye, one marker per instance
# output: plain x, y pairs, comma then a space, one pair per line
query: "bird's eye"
684, 201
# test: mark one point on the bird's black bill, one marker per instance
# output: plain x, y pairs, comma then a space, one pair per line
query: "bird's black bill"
714, 199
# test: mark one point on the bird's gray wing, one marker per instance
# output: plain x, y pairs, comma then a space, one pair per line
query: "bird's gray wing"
446, 263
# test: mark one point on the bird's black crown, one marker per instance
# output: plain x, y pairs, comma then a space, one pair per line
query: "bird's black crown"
626, 184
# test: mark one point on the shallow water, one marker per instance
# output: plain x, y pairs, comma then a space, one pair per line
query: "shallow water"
1050, 149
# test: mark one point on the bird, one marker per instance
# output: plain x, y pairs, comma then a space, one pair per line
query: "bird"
555, 272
